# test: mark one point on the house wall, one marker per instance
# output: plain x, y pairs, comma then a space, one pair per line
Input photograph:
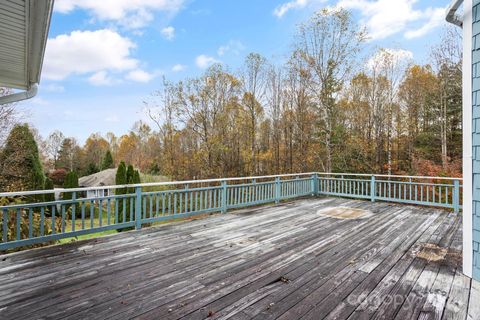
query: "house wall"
474, 222
99, 193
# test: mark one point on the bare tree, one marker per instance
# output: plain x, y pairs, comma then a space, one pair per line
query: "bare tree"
447, 60
390, 65
329, 43
54, 145
8, 116
254, 81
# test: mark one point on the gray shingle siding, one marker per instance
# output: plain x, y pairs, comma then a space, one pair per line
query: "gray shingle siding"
476, 136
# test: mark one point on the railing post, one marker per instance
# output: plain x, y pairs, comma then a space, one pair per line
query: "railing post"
277, 190
252, 194
74, 205
315, 184
456, 196
138, 208
224, 196
372, 188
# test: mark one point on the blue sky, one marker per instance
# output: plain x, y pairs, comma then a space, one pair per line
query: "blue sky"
104, 58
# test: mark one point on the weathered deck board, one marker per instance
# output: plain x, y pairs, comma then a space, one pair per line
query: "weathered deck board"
275, 262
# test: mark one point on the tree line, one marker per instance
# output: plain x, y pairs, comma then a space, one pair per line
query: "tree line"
326, 108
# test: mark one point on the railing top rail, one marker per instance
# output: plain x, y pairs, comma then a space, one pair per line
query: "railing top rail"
386, 176
184, 182
150, 184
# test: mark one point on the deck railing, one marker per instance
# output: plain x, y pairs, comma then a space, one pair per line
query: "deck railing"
28, 219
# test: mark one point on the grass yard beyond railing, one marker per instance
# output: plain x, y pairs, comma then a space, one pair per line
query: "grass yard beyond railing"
27, 220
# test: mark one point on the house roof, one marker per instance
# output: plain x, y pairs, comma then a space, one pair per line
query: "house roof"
102, 178
24, 28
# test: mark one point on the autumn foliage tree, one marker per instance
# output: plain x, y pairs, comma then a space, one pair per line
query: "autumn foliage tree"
325, 108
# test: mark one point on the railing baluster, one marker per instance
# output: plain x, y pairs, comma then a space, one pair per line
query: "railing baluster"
224, 196
83, 215
53, 220
124, 210
410, 189
18, 225
205, 200
116, 211
5, 225
201, 201
30, 223
92, 213
42, 221
210, 199
196, 201
215, 195
100, 212
108, 211
157, 204
191, 201
63, 218
74, 199
372, 188
151, 206
186, 198
163, 203
138, 208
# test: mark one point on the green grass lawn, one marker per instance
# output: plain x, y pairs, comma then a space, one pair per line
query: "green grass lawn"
87, 236
96, 223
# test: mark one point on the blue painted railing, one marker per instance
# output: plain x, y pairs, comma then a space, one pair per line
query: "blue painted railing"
27, 220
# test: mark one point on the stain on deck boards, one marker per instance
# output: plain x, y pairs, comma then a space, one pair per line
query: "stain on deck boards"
276, 262
344, 213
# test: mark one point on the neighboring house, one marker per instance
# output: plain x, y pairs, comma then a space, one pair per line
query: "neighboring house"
99, 179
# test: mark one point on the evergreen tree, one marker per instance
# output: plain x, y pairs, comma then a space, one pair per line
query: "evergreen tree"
130, 174
130, 177
136, 177
107, 162
92, 168
20, 166
121, 179
71, 181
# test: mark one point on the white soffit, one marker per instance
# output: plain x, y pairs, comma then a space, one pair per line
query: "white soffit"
24, 28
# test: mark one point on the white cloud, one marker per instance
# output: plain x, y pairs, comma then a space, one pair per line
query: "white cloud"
178, 68
384, 18
437, 18
287, 6
232, 46
101, 78
204, 61
84, 52
52, 87
168, 33
129, 13
139, 75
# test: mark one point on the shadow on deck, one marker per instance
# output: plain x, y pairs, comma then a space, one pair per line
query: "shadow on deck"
302, 259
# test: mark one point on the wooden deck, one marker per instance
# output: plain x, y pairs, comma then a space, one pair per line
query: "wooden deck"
290, 261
